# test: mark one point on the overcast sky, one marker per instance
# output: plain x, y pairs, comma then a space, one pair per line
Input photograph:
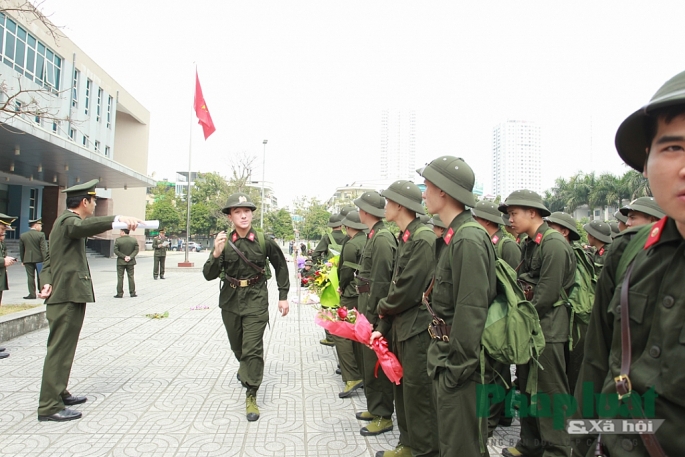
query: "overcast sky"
313, 76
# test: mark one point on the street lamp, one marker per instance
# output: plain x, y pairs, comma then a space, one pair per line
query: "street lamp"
261, 219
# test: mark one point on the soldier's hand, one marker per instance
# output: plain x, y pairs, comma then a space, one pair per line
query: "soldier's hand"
219, 243
127, 258
283, 307
46, 291
9, 261
132, 222
374, 336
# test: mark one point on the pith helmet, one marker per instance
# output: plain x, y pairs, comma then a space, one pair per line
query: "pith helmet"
238, 200
407, 194
599, 230
525, 198
308, 263
631, 137
334, 221
84, 190
346, 209
372, 203
453, 176
352, 220
425, 219
614, 229
566, 221
438, 222
645, 205
620, 217
505, 220
487, 211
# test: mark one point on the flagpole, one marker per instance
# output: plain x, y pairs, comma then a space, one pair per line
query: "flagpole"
187, 263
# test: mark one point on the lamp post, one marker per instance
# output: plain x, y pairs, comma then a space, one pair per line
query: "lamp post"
261, 219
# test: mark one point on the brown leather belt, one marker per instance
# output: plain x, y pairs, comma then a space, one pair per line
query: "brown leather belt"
235, 282
364, 288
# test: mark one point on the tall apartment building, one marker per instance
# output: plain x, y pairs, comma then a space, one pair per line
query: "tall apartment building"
516, 150
398, 144
68, 122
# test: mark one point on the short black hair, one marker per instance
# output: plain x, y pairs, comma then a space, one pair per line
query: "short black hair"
667, 113
126, 231
75, 202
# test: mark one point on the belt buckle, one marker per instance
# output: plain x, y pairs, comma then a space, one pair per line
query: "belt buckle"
623, 379
232, 285
431, 332
357, 289
243, 283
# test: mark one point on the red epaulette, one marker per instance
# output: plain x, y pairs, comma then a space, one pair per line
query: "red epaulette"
655, 233
371, 234
406, 235
538, 238
448, 236
251, 236
234, 237
495, 239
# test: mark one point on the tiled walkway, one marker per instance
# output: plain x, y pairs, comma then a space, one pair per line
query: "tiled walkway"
167, 387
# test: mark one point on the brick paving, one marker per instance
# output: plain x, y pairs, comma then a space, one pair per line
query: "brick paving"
167, 387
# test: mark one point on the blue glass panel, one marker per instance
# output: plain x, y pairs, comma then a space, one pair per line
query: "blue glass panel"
30, 60
32, 42
20, 53
41, 48
21, 34
9, 46
11, 25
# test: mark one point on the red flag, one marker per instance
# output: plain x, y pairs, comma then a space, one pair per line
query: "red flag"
201, 111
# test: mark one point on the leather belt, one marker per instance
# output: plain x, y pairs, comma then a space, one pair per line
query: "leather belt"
364, 288
235, 282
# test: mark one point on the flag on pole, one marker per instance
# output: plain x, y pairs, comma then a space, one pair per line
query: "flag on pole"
201, 111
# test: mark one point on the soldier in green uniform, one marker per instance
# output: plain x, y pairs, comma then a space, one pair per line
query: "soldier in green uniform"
5, 224
373, 283
331, 243
464, 286
307, 272
487, 215
67, 287
622, 220
405, 320
349, 352
33, 248
548, 266
126, 249
652, 141
240, 259
642, 211
599, 237
160, 244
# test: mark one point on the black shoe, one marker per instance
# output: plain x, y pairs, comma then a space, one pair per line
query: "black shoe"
155, 278
30, 297
237, 375
2, 349
65, 415
162, 277
118, 296
72, 400
505, 421
4, 355
337, 371
133, 295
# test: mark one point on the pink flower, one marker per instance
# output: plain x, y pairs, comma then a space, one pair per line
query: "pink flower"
342, 312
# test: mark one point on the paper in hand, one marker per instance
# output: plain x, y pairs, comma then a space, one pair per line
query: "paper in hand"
143, 225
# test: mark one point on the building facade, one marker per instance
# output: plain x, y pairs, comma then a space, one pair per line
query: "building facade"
398, 144
65, 121
517, 151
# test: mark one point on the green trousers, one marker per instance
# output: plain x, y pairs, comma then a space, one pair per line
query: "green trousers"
159, 266
120, 279
497, 409
65, 321
378, 390
246, 336
414, 403
575, 358
31, 273
349, 352
538, 430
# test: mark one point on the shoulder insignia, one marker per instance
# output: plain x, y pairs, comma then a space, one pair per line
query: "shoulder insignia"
234, 237
251, 236
448, 236
601, 252
406, 235
538, 238
655, 233
495, 239
371, 234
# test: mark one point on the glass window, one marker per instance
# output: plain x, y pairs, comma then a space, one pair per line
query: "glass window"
109, 112
99, 103
72, 134
33, 198
9, 47
74, 90
106, 151
85, 140
87, 102
54, 126
97, 146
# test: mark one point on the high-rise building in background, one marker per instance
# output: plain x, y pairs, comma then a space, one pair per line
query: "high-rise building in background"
398, 144
516, 150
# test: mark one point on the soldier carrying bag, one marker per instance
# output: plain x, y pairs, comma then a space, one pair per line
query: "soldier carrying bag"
235, 282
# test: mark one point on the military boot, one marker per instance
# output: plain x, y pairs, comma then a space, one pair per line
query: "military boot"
377, 426
350, 386
251, 409
327, 342
400, 451
364, 416
511, 452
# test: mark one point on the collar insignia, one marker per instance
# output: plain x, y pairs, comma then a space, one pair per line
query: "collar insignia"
251, 236
371, 234
495, 239
655, 234
538, 238
234, 237
448, 236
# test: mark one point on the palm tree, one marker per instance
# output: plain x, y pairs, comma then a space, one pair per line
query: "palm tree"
636, 185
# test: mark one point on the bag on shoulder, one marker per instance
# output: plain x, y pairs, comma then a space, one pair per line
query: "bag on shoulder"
262, 245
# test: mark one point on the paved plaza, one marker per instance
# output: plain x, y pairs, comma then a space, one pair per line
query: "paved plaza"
167, 387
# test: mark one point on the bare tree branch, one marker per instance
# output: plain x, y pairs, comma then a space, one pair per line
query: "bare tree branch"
31, 12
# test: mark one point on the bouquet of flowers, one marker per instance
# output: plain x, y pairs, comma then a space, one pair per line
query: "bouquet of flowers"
324, 283
355, 326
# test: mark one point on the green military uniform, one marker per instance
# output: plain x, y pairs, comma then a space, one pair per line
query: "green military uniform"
32, 251
243, 298
335, 238
602, 232
160, 244
405, 322
349, 352
548, 265
126, 246
66, 270
6, 222
373, 284
465, 285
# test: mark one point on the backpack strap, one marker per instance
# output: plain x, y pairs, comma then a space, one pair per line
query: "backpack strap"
631, 251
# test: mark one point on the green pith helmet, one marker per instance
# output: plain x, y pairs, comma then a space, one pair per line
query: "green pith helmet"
487, 211
438, 222
352, 220
599, 230
407, 194
453, 176
425, 219
566, 221
631, 138
614, 229
346, 209
334, 221
620, 217
646, 205
505, 220
238, 200
527, 199
85, 190
372, 203
6, 220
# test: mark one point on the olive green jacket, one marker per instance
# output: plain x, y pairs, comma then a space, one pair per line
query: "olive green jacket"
657, 335
414, 264
377, 263
251, 300
4, 283
549, 266
507, 249
126, 246
33, 248
351, 252
598, 258
465, 285
321, 250
160, 251
66, 267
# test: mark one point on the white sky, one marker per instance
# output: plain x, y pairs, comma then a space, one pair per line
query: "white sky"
313, 76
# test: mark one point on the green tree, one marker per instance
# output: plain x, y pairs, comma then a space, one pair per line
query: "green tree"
636, 185
201, 221
280, 224
166, 213
314, 217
